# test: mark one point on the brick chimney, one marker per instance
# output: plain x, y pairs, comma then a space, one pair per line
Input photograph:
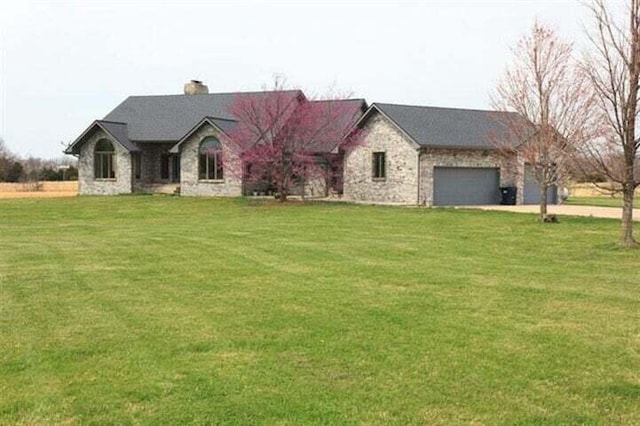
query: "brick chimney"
195, 87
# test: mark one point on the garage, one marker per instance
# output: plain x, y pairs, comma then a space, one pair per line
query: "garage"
531, 193
459, 186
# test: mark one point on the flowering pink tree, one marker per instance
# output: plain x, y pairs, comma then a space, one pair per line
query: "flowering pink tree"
285, 138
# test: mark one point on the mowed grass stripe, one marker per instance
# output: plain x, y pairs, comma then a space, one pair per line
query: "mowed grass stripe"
121, 310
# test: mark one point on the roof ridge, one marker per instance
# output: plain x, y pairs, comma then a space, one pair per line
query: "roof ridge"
338, 100
218, 93
112, 121
218, 118
443, 108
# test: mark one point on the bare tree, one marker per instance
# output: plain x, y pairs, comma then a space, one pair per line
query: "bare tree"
613, 69
547, 93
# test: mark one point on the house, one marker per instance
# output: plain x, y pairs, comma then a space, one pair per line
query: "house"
408, 155
161, 144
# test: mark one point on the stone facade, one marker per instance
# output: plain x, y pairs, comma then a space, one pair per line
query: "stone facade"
401, 182
316, 186
88, 184
516, 170
511, 168
409, 169
190, 184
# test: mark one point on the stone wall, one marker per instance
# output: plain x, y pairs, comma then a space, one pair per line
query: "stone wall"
315, 183
401, 182
88, 185
316, 186
231, 185
511, 168
515, 169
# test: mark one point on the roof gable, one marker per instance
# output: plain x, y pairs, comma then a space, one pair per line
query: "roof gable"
115, 130
374, 109
221, 124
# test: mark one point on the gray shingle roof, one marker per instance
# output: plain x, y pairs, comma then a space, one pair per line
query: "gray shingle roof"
119, 132
451, 127
169, 117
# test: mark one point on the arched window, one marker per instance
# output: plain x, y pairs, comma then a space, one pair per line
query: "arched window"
210, 167
104, 160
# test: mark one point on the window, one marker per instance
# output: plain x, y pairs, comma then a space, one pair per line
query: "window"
137, 165
379, 165
164, 166
210, 164
104, 160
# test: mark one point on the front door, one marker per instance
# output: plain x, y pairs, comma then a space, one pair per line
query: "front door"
175, 168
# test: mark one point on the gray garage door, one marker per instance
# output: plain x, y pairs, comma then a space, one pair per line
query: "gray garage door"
532, 189
456, 186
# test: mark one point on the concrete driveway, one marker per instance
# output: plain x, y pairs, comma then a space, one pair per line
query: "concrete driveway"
565, 210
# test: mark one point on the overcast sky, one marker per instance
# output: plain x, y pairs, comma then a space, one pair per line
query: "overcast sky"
65, 63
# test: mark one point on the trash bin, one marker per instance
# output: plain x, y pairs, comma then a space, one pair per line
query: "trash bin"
508, 195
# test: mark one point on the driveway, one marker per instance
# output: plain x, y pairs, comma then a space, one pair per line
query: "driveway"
565, 210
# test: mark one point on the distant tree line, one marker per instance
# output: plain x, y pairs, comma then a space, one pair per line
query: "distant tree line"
33, 169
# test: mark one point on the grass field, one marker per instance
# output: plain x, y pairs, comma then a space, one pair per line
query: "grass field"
602, 201
175, 310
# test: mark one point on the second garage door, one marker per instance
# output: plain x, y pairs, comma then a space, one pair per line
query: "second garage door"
459, 186
532, 188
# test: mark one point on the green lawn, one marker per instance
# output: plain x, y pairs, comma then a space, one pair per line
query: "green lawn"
603, 201
176, 310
